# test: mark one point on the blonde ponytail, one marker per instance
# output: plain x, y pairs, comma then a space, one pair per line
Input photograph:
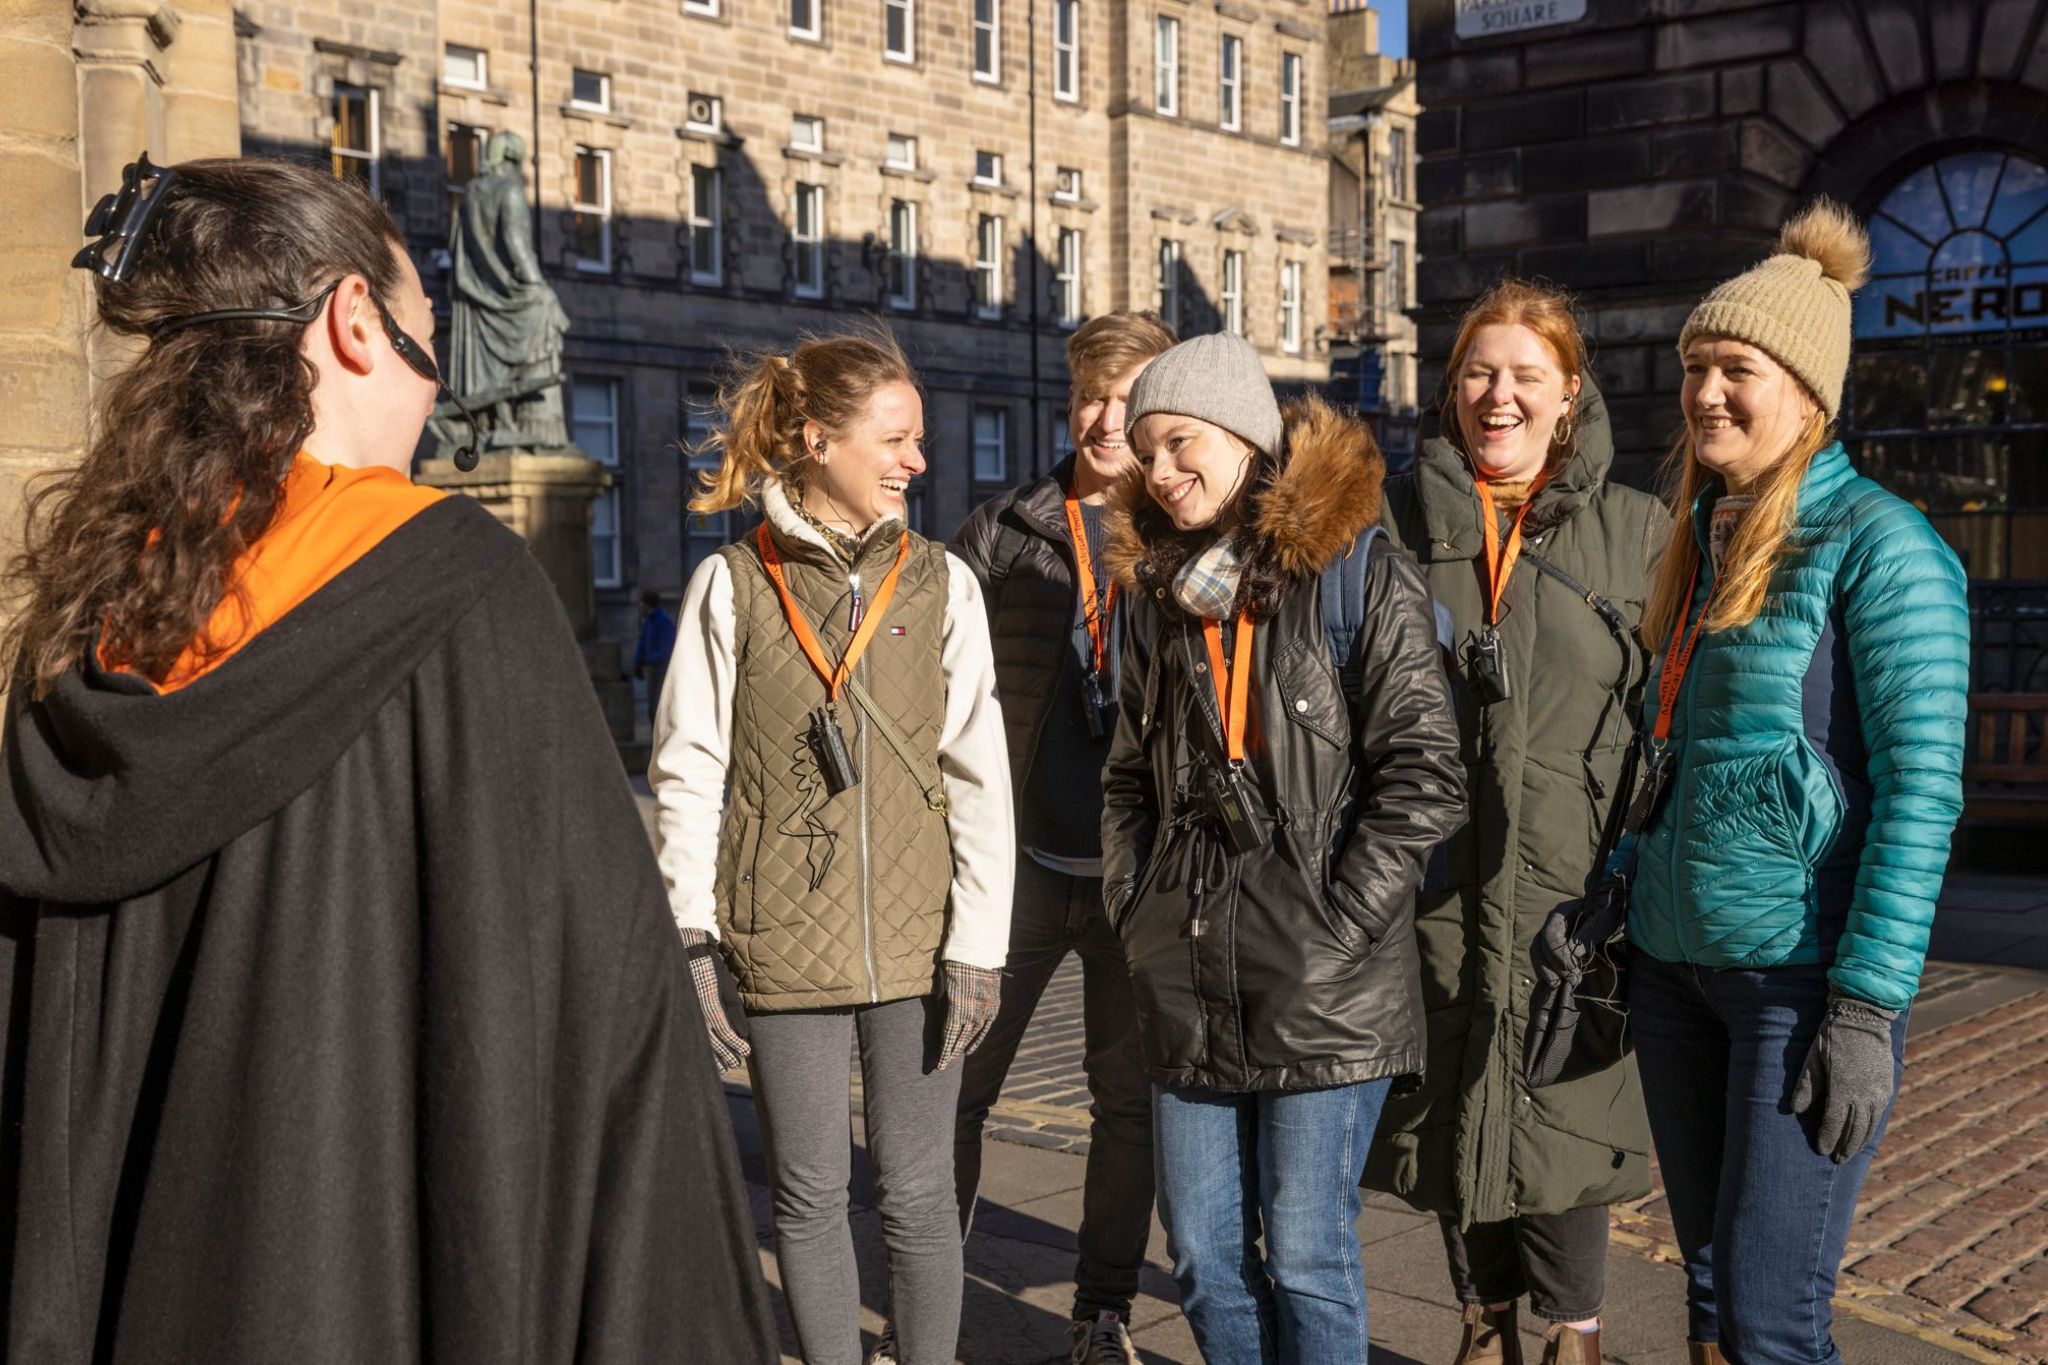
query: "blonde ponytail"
827, 380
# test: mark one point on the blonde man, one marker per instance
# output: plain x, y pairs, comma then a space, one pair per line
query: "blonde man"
1038, 551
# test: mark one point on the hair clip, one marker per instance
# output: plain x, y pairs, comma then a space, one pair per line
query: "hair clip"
120, 220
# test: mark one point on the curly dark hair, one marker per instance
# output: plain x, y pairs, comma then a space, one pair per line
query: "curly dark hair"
132, 550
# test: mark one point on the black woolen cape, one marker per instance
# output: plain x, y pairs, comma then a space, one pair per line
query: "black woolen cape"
343, 1015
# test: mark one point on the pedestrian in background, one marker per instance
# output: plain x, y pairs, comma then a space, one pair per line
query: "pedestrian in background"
657, 642
1265, 828
1515, 524
1806, 728
1055, 616
833, 815
342, 1017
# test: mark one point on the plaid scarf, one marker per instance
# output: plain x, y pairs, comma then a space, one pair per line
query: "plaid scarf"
1207, 584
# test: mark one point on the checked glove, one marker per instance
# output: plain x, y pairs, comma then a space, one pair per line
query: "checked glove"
727, 1046
1849, 1076
972, 994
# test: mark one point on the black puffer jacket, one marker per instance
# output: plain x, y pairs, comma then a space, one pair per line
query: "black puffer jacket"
1305, 971
1018, 546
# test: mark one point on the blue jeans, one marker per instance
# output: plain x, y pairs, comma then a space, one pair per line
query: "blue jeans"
1762, 1218
1287, 1162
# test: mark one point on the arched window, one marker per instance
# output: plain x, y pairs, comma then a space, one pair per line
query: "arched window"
1949, 390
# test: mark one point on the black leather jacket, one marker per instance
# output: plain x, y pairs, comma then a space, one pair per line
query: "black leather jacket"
1305, 971
1017, 545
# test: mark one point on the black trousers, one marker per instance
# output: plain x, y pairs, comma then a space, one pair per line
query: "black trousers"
1054, 915
1558, 1259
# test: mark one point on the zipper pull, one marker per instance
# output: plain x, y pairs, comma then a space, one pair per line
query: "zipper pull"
856, 606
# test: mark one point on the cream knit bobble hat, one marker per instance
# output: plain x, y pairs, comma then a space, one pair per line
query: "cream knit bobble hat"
1795, 304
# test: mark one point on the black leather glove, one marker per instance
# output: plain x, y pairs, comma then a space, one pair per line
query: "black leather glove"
1849, 1074
726, 1045
1553, 957
972, 995
1575, 932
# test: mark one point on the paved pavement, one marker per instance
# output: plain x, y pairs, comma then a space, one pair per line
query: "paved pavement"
1948, 1255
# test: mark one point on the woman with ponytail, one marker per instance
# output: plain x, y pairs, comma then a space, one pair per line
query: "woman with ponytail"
1802, 775
834, 822
341, 1018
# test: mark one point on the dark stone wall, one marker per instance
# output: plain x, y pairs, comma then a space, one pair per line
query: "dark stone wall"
1641, 155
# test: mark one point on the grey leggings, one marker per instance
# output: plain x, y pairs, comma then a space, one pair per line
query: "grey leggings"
802, 1084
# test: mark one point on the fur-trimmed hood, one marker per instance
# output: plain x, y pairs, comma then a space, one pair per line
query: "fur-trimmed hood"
1305, 508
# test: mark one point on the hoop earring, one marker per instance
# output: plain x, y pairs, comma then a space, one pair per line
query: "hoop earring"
1563, 435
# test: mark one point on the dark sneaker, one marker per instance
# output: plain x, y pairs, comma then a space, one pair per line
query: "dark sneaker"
1102, 1340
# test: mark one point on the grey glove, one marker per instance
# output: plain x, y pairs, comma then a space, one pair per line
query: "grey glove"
1849, 1074
972, 995
726, 1045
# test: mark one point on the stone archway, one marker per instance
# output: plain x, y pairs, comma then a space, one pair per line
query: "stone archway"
1947, 402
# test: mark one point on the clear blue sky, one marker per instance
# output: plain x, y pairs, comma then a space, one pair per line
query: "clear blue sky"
1393, 26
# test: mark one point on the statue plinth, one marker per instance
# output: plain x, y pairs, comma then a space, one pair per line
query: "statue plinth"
545, 495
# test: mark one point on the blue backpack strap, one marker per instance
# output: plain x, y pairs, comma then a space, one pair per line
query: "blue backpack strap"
1343, 593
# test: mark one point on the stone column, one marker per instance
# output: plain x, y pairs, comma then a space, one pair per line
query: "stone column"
89, 85
545, 495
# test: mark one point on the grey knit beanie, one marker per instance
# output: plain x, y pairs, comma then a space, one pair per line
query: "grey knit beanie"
1217, 378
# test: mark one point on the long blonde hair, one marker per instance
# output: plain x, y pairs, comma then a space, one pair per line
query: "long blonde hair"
1745, 575
767, 400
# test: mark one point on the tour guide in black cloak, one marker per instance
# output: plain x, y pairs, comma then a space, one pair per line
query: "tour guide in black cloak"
344, 1019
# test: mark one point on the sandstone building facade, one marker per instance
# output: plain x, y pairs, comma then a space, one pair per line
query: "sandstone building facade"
717, 175
1639, 154
1373, 210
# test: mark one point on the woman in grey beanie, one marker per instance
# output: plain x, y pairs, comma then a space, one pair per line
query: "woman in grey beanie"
1269, 803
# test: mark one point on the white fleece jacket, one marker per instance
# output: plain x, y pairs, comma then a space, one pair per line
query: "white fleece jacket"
693, 745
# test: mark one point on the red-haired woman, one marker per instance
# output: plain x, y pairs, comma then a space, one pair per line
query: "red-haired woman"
1518, 529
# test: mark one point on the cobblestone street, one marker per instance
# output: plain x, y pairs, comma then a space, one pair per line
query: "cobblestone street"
1950, 1236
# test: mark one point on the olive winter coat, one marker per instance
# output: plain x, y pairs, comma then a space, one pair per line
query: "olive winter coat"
1476, 1142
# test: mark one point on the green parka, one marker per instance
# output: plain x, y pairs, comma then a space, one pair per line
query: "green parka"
1475, 1142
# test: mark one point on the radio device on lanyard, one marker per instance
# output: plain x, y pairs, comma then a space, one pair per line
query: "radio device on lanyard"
1486, 667
1229, 797
1097, 616
826, 742
1658, 761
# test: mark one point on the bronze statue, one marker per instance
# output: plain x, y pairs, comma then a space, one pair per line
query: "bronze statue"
506, 342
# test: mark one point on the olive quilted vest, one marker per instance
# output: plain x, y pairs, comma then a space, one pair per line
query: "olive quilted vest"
833, 900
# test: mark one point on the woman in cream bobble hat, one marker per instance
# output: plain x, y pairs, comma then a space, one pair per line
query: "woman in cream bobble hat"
1801, 777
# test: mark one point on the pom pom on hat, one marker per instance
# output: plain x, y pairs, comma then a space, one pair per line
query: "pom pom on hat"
1794, 305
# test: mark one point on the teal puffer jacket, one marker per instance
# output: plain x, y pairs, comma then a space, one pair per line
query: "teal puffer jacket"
1819, 753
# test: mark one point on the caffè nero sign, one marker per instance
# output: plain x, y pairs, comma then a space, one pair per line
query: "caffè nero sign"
1959, 248
1491, 18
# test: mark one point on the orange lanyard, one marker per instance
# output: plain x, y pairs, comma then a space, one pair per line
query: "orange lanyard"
1677, 658
1233, 688
1500, 561
834, 678
1095, 614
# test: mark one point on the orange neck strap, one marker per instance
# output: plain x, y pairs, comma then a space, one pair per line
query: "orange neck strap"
1500, 559
1677, 658
1096, 614
834, 677
1233, 686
